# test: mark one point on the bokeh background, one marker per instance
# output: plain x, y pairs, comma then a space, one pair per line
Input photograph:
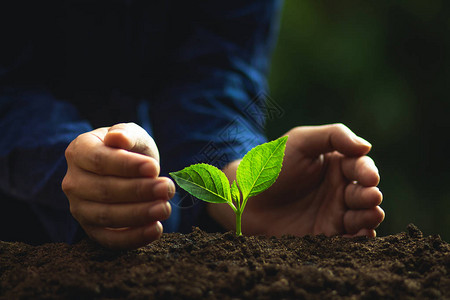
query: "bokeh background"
382, 68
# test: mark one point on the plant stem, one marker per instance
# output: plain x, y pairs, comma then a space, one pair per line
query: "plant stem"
238, 223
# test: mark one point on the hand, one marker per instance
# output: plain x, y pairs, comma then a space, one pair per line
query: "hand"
113, 186
327, 185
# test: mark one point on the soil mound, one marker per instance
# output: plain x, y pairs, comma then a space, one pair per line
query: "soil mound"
200, 265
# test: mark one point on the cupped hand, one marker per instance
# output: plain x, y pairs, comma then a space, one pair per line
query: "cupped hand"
113, 186
327, 185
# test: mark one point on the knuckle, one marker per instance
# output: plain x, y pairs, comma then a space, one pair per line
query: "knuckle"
140, 189
126, 167
72, 147
355, 191
103, 215
340, 127
118, 126
74, 210
69, 152
296, 131
352, 192
97, 160
103, 191
78, 211
145, 149
138, 216
67, 185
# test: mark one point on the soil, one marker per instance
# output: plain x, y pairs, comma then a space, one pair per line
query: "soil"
201, 265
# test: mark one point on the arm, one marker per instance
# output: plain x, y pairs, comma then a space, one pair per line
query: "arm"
36, 129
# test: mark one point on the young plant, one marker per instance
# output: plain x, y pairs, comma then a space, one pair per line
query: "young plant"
257, 171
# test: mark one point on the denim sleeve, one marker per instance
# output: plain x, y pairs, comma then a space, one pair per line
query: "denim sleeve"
35, 131
213, 110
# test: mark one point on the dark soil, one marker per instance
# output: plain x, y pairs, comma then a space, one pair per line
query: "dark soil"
222, 266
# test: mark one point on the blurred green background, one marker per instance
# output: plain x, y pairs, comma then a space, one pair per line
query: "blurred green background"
382, 68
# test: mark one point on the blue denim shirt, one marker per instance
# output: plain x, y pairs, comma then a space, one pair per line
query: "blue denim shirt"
192, 73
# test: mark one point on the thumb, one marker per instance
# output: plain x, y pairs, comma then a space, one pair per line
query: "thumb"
131, 137
316, 140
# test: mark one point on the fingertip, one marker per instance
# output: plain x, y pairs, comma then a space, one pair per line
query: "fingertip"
153, 232
125, 238
169, 188
168, 210
376, 178
378, 198
370, 233
159, 228
360, 169
359, 197
117, 138
374, 217
164, 189
150, 168
172, 189
367, 219
362, 142
370, 178
347, 142
381, 215
359, 147
374, 197
161, 210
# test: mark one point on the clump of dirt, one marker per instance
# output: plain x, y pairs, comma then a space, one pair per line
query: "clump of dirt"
201, 265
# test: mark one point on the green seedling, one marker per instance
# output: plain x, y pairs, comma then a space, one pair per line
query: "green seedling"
257, 171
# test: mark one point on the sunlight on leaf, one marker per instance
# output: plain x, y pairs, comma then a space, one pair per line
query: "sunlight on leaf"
205, 182
260, 167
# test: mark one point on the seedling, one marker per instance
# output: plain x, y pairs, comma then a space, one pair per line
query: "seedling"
257, 171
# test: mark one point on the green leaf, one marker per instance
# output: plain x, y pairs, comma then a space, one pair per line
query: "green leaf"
260, 167
235, 194
205, 182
